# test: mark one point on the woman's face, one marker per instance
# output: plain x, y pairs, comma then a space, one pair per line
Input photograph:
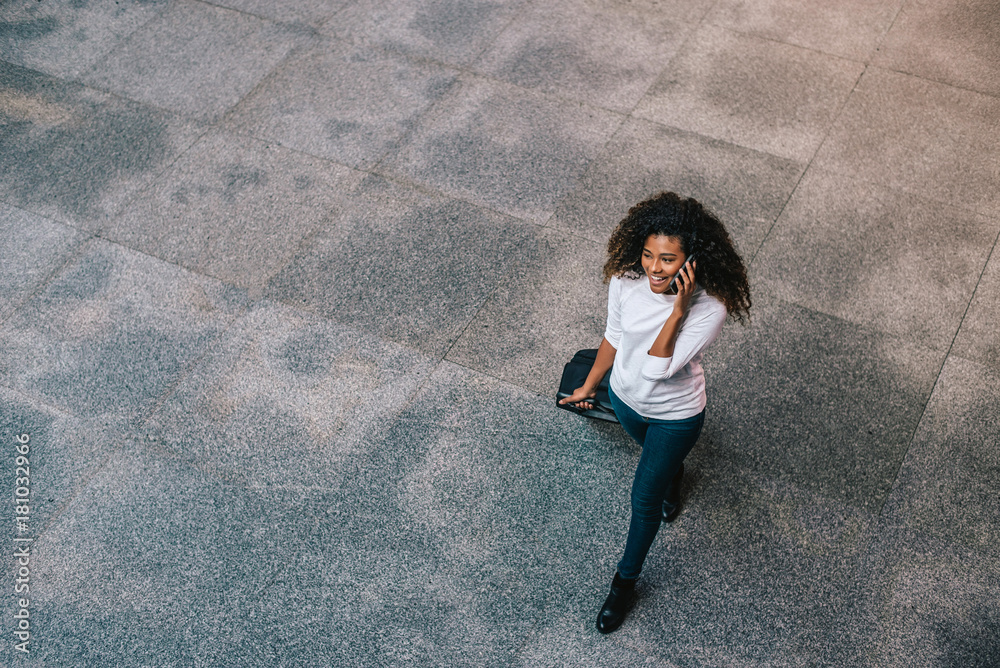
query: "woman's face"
662, 258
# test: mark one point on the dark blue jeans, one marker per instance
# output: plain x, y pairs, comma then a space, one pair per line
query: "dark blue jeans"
665, 444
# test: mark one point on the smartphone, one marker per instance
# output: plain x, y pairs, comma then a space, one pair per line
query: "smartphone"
672, 286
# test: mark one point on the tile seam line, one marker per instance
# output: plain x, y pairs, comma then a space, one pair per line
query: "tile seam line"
937, 379
791, 193
78, 78
773, 40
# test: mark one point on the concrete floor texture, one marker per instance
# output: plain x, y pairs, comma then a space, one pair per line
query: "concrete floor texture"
287, 288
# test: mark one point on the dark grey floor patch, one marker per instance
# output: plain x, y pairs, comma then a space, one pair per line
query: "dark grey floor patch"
503, 147
285, 399
195, 58
235, 208
607, 58
764, 95
816, 401
979, 337
949, 484
33, 249
61, 453
871, 256
113, 331
850, 29
173, 568
745, 188
452, 31
461, 495
65, 37
890, 132
753, 572
930, 603
539, 316
952, 42
344, 103
77, 155
410, 267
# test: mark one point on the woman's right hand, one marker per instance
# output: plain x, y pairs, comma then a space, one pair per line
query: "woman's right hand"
579, 397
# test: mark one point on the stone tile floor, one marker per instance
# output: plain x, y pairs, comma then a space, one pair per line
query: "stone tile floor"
287, 287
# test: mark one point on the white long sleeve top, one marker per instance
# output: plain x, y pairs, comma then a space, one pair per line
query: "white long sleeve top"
663, 388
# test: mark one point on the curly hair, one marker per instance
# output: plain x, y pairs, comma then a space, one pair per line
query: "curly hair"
720, 268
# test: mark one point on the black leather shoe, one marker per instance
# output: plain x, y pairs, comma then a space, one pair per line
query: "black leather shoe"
616, 605
672, 504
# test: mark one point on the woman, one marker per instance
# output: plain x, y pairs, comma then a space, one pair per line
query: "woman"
656, 332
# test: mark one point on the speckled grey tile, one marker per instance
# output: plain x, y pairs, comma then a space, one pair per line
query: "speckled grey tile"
34, 248
285, 398
875, 257
746, 189
451, 31
308, 12
929, 603
76, 155
195, 58
504, 147
62, 453
850, 29
687, 11
155, 563
949, 484
66, 37
454, 505
979, 337
235, 208
757, 93
408, 266
754, 572
113, 331
816, 401
539, 316
926, 138
348, 104
950, 42
599, 56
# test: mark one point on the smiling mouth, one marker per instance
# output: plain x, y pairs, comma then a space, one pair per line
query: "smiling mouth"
658, 279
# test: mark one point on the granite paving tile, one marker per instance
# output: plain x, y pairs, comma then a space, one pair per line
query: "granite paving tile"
66, 37
850, 29
34, 248
453, 504
815, 401
504, 147
77, 155
235, 208
112, 332
687, 11
449, 31
408, 266
893, 132
745, 188
537, 318
874, 256
949, 484
308, 12
155, 563
62, 453
929, 603
346, 103
196, 58
754, 572
979, 338
284, 399
764, 95
951, 42
603, 57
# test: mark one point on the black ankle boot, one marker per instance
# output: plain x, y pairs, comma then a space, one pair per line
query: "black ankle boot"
672, 504
616, 605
